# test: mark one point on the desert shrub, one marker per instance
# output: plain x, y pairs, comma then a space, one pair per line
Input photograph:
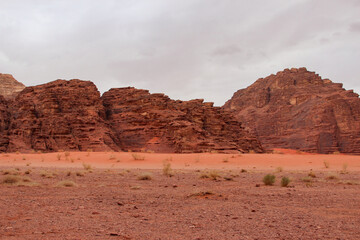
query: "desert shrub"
228, 178
213, 174
58, 156
137, 157
167, 171
269, 179
279, 169
11, 179
312, 174
226, 160
66, 183
332, 177
87, 167
112, 157
307, 179
18, 181
145, 176
47, 174
326, 164
67, 154
243, 170
80, 174
285, 181
344, 168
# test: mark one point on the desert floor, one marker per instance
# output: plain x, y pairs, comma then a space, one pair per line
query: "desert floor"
208, 196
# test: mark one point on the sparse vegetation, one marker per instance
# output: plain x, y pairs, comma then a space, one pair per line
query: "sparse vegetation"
269, 179
307, 179
167, 171
145, 176
228, 178
137, 157
326, 164
243, 170
213, 175
312, 174
332, 177
80, 174
344, 168
18, 181
279, 169
58, 156
201, 194
47, 174
226, 160
87, 167
112, 157
66, 183
285, 181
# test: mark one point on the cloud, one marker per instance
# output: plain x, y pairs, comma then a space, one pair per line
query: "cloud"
187, 49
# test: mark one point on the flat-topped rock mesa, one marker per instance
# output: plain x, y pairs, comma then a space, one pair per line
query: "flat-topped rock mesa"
144, 121
60, 115
298, 109
9, 86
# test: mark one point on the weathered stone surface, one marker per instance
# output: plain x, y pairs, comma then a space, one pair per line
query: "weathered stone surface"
9, 87
60, 115
4, 124
144, 121
298, 109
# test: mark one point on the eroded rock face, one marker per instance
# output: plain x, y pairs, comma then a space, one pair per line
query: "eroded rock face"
4, 124
9, 87
144, 121
60, 115
298, 109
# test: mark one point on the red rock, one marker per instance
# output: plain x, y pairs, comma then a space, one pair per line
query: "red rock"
9, 87
4, 124
66, 115
298, 109
142, 121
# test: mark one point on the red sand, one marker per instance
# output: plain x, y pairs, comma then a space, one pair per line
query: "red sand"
182, 161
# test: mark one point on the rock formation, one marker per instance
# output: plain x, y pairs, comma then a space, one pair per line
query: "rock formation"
60, 115
144, 121
71, 116
298, 109
9, 87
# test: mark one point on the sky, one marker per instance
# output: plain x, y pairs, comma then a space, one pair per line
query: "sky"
186, 49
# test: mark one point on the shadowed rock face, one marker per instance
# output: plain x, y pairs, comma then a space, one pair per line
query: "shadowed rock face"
9, 87
300, 110
144, 121
66, 115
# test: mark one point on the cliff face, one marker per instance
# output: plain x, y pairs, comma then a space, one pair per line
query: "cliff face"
144, 121
70, 115
66, 115
9, 87
298, 109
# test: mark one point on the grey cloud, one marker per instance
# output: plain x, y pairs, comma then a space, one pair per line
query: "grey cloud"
187, 49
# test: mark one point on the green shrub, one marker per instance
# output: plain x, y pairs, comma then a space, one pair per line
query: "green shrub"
285, 181
269, 179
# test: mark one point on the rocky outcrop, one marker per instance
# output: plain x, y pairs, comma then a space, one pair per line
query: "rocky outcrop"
9, 87
144, 121
4, 124
60, 115
298, 109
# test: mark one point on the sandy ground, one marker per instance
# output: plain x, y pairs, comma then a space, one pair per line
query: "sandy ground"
109, 200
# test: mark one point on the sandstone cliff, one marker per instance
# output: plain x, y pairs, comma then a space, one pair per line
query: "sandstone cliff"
298, 109
60, 115
9, 87
144, 121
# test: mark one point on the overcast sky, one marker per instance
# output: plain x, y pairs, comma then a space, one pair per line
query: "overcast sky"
184, 48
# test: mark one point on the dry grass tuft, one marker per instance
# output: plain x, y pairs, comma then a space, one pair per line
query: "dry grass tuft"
14, 180
66, 183
47, 174
145, 176
167, 171
279, 169
312, 174
213, 175
326, 164
137, 157
332, 177
87, 167
269, 179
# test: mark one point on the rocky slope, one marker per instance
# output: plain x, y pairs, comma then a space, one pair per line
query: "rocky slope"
60, 115
298, 109
144, 121
9, 86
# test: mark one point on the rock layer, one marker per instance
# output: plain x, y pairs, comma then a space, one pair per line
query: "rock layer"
60, 115
298, 109
9, 87
144, 121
